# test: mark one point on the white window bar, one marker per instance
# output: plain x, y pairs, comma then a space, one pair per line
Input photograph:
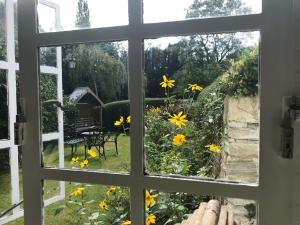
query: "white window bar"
272, 192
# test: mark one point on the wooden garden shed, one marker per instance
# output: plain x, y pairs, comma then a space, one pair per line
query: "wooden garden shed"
89, 107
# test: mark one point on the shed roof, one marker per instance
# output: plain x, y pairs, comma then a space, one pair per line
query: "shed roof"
80, 92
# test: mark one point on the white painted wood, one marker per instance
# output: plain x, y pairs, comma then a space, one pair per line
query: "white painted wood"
51, 136
50, 70
12, 104
4, 144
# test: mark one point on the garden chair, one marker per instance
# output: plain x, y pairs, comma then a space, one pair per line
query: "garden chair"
211, 213
94, 138
113, 138
72, 138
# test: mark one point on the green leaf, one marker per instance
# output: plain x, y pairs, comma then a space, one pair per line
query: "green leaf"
59, 209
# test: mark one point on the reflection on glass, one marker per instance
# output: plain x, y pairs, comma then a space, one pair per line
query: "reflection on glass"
89, 204
5, 180
183, 208
78, 14
4, 129
96, 116
48, 57
51, 154
173, 10
2, 30
203, 119
48, 90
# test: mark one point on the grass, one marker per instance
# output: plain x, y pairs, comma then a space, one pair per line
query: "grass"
120, 163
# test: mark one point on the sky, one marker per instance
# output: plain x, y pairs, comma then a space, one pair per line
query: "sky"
104, 13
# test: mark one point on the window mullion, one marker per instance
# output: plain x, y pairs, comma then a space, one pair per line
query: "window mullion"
29, 86
136, 96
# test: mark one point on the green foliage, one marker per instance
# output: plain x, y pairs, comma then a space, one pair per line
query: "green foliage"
48, 90
113, 110
97, 69
48, 56
2, 32
240, 80
215, 8
83, 14
3, 106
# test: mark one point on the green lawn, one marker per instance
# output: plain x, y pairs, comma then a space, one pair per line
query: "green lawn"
120, 163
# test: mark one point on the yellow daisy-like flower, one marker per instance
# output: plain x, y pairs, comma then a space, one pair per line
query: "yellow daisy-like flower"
167, 83
103, 205
119, 122
84, 163
111, 190
127, 222
178, 140
214, 147
150, 199
150, 219
92, 153
195, 87
74, 160
77, 191
128, 120
178, 119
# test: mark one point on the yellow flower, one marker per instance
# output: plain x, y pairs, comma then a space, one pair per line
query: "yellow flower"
150, 219
111, 190
84, 163
214, 148
195, 87
77, 191
120, 122
74, 160
127, 222
92, 153
167, 83
103, 205
128, 120
150, 199
178, 139
178, 120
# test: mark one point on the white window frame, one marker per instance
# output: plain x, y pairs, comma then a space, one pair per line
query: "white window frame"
11, 66
274, 190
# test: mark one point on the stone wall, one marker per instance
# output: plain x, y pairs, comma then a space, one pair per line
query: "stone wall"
241, 148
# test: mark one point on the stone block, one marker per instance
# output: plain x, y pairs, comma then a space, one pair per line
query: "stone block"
244, 109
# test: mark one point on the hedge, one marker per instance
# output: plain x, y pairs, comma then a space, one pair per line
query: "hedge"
114, 110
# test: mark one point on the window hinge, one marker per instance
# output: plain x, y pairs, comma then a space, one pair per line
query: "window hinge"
19, 129
291, 110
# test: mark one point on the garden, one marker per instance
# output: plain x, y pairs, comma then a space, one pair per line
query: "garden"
186, 82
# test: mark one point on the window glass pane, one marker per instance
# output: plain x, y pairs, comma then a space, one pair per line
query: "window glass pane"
48, 88
48, 57
4, 119
2, 30
79, 14
89, 204
173, 10
95, 105
183, 208
5, 180
202, 106
50, 153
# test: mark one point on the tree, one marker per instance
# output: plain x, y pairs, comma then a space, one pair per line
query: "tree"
95, 67
216, 8
83, 14
206, 54
2, 32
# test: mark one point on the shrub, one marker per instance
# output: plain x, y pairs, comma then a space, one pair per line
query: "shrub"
113, 110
